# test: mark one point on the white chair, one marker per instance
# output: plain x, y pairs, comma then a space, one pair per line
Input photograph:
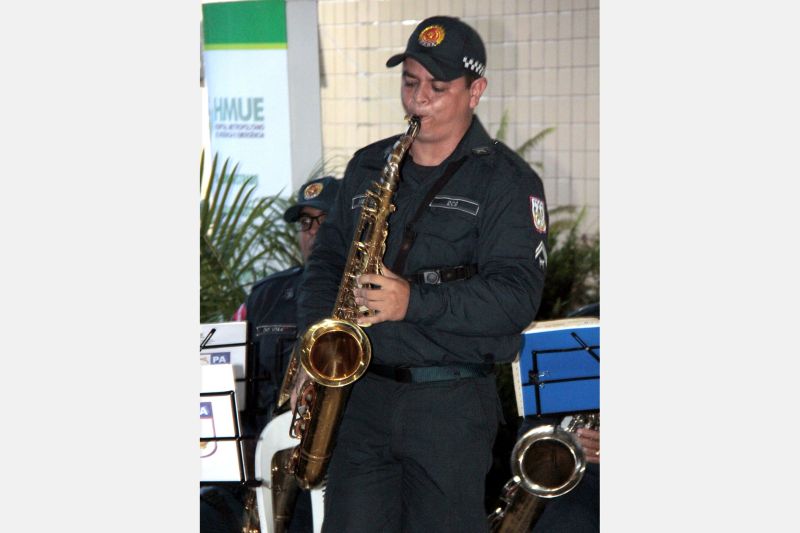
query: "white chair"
274, 438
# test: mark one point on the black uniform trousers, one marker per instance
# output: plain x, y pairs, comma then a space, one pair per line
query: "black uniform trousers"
412, 457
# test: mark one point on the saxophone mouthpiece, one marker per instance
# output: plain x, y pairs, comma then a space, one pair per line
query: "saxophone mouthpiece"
414, 125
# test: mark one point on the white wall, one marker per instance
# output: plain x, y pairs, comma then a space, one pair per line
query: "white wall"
543, 68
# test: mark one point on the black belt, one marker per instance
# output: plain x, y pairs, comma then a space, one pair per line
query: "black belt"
442, 275
423, 374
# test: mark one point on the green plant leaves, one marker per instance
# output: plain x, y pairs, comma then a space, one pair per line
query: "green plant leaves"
573, 265
528, 144
242, 239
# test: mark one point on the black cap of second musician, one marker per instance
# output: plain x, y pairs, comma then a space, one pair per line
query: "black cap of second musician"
447, 47
319, 194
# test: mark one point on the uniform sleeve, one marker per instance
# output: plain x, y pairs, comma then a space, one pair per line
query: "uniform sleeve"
503, 297
323, 271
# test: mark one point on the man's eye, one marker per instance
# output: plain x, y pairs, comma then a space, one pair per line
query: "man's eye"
439, 89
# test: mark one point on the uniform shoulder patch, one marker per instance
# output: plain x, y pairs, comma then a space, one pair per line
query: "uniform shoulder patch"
538, 214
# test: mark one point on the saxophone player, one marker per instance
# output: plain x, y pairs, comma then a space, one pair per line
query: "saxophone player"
465, 264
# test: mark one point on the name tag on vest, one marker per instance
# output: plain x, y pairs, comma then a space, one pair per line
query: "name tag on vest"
454, 202
276, 329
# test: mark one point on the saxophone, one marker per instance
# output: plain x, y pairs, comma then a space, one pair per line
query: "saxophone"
546, 462
335, 352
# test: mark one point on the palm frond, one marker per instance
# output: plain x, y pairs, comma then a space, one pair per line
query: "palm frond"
242, 239
501, 130
220, 204
230, 225
533, 141
528, 144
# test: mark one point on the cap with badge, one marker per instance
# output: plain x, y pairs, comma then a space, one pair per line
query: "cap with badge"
319, 194
447, 47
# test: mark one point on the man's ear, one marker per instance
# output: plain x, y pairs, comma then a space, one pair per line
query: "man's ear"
475, 92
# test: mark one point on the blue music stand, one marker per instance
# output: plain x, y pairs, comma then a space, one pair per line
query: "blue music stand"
558, 370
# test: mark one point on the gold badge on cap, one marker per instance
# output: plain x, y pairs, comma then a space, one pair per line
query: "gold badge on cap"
431, 36
312, 191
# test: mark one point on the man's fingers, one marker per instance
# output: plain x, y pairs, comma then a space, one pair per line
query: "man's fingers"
588, 433
372, 279
371, 301
389, 299
368, 320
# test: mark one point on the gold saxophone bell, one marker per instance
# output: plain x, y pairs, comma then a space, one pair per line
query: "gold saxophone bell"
335, 353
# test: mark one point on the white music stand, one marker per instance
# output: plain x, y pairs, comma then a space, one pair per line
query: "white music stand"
274, 438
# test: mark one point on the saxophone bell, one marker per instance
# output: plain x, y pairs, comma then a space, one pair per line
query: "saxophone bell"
335, 353
549, 461
546, 462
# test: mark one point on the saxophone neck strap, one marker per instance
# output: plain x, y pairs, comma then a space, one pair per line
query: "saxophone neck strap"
409, 235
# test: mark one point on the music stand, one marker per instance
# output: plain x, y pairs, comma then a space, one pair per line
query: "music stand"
558, 368
223, 367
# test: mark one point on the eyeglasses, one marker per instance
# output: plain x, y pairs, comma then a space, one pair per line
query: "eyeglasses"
307, 221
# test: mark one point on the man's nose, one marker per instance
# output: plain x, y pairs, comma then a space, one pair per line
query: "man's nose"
422, 93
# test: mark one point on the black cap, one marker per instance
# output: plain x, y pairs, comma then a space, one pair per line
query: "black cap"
446, 47
318, 193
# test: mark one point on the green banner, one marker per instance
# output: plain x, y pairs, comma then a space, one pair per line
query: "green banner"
245, 62
241, 25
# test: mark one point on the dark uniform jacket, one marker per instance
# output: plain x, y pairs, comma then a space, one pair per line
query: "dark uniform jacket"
491, 213
271, 318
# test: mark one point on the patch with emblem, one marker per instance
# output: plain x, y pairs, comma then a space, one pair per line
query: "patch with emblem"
538, 214
454, 202
312, 191
431, 36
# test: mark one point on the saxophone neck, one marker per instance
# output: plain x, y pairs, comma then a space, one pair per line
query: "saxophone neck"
392, 169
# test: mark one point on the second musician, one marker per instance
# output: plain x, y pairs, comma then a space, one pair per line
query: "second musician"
466, 258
